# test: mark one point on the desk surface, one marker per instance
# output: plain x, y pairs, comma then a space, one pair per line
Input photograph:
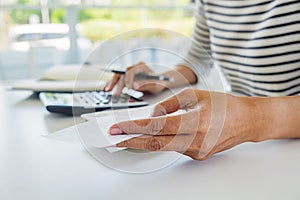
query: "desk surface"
34, 167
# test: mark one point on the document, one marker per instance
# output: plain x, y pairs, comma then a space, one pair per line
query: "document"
67, 78
93, 135
58, 86
94, 132
122, 114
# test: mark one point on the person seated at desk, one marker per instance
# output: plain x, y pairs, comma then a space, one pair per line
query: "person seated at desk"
256, 43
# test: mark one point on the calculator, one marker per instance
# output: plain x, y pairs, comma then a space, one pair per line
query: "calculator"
87, 102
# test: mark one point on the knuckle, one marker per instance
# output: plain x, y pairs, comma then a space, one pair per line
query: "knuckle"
140, 63
137, 85
123, 144
185, 94
187, 91
202, 156
196, 156
155, 127
159, 110
126, 128
130, 67
152, 144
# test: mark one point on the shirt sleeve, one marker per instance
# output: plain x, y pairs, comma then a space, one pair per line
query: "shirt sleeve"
198, 57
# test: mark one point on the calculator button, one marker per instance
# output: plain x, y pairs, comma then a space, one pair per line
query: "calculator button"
124, 98
114, 99
131, 100
105, 101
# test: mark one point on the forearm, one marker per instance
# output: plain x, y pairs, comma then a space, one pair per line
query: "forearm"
182, 75
279, 116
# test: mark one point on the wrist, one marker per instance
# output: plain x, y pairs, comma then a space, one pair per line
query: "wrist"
281, 117
182, 75
188, 74
248, 117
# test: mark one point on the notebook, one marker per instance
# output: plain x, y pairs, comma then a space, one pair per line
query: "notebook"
67, 78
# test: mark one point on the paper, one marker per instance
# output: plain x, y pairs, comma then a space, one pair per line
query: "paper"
94, 133
121, 115
67, 78
59, 86
76, 72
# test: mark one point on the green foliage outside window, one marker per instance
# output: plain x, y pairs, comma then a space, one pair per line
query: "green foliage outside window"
22, 16
102, 23
57, 16
108, 22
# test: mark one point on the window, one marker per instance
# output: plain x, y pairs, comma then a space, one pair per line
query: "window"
94, 21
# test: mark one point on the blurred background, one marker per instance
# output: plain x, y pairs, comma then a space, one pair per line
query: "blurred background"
38, 34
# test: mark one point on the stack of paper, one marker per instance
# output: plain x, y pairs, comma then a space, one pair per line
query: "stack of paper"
67, 78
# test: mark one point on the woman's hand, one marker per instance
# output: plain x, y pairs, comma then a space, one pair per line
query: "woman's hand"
212, 122
128, 80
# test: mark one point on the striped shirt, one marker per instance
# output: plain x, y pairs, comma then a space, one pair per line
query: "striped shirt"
255, 42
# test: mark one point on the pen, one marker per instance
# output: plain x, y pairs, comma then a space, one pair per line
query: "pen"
144, 76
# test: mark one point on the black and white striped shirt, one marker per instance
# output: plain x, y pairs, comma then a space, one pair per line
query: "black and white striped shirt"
255, 42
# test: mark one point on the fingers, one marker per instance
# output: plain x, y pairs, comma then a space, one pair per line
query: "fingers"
152, 86
167, 106
188, 145
150, 143
128, 79
185, 100
112, 83
120, 86
179, 143
186, 123
132, 71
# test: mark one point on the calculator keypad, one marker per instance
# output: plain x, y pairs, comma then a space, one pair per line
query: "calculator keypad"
102, 98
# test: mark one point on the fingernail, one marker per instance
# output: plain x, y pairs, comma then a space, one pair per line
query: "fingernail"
115, 131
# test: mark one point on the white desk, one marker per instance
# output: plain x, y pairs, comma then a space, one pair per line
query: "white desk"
34, 167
